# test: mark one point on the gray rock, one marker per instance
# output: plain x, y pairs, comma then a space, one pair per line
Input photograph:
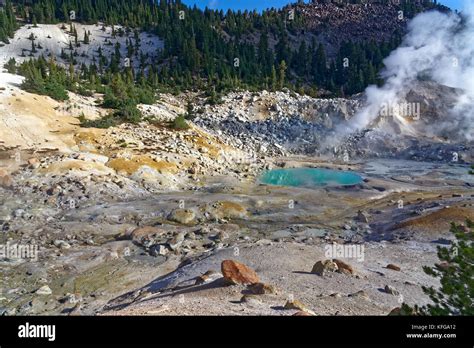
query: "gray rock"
175, 242
61, 244
391, 290
159, 249
360, 294
44, 290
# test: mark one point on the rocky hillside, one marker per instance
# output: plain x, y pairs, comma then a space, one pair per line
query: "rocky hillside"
238, 49
57, 40
335, 23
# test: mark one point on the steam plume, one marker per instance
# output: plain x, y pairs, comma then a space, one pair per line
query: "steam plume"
439, 46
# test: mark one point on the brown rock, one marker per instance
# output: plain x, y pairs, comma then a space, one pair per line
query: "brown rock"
33, 163
228, 210
5, 179
324, 267
262, 288
182, 216
343, 267
237, 273
393, 267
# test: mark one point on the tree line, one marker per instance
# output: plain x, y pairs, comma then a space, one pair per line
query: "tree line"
203, 49
8, 23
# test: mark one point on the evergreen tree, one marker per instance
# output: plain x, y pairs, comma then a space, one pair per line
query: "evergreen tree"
198, 52
11, 66
456, 275
281, 74
86, 38
274, 80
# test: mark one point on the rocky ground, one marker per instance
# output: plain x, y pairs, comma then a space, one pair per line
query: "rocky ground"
138, 219
129, 250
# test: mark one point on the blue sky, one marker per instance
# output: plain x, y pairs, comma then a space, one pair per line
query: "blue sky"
263, 4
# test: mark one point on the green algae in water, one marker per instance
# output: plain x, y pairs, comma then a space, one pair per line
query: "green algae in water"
308, 177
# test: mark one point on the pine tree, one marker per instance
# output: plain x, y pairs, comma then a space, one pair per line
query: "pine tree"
11, 66
281, 74
273, 79
456, 274
86, 38
190, 115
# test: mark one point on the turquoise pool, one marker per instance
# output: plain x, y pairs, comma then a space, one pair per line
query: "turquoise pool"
308, 177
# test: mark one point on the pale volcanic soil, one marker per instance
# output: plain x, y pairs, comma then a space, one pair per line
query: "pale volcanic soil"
290, 242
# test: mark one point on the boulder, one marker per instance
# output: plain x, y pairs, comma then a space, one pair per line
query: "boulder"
393, 267
297, 304
175, 242
251, 299
182, 216
61, 244
343, 267
324, 267
391, 290
403, 310
5, 179
44, 290
227, 210
237, 273
360, 294
262, 288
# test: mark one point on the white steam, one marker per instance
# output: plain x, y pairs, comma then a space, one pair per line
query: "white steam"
438, 46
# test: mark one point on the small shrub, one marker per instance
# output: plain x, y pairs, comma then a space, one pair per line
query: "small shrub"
11, 66
180, 123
